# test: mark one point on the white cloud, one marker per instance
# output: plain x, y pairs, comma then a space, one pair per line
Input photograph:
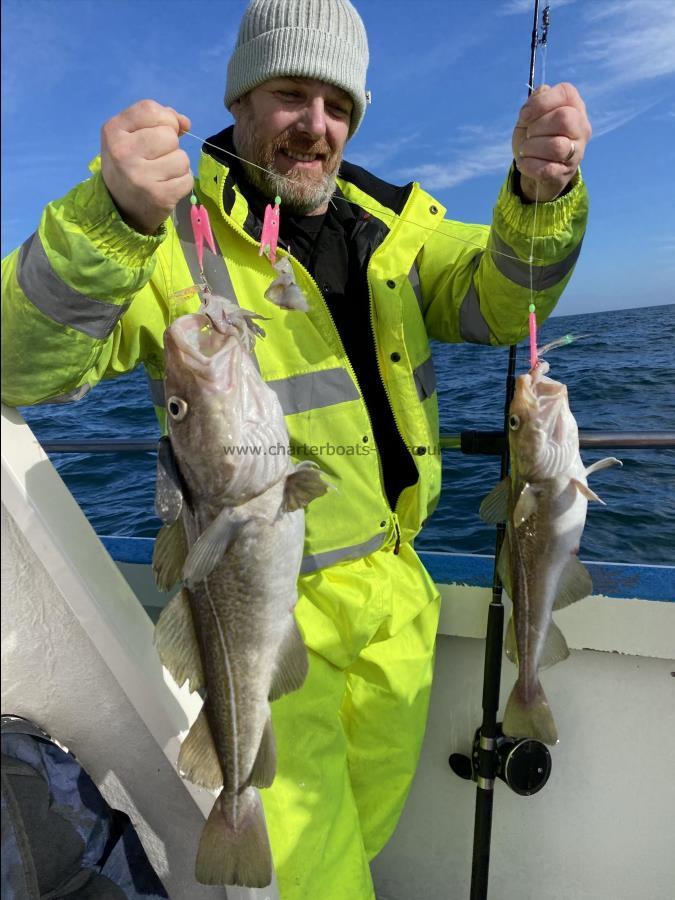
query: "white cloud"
627, 42
516, 7
215, 58
482, 160
379, 152
609, 118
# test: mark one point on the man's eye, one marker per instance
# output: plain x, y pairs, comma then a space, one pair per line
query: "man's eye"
288, 95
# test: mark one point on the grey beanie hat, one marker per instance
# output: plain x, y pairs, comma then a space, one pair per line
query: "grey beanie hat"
322, 39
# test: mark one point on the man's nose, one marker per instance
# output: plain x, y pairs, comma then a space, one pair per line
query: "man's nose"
313, 118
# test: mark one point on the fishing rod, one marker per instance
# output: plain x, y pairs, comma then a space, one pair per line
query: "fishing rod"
494, 755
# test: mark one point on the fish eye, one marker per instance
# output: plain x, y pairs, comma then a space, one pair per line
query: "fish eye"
514, 422
177, 408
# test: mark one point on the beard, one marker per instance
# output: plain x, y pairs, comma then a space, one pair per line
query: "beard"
300, 191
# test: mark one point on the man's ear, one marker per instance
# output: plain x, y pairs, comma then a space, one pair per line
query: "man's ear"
235, 106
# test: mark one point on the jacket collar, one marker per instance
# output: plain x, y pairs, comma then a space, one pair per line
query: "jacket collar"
222, 177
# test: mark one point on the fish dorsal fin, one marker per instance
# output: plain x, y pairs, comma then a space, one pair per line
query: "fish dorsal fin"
198, 760
168, 488
555, 647
603, 464
265, 765
176, 642
527, 503
575, 584
495, 507
510, 645
168, 555
303, 485
586, 491
291, 664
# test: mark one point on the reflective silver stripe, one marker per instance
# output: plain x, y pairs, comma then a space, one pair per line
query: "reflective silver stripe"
215, 269
515, 270
472, 326
300, 393
425, 379
70, 397
156, 386
414, 279
330, 557
59, 302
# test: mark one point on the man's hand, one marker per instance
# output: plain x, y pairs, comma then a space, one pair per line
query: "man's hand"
549, 140
142, 164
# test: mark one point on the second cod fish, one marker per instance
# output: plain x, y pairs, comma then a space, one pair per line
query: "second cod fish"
234, 537
544, 503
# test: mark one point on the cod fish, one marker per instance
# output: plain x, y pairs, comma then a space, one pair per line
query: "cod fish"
234, 533
544, 503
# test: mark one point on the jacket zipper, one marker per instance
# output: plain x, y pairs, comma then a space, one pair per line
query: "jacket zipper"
242, 233
397, 545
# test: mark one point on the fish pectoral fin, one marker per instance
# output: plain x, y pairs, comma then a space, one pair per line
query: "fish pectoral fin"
603, 464
555, 648
575, 584
302, 486
208, 549
198, 760
235, 852
176, 642
586, 491
291, 665
495, 507
510, 645
168, 488
527, 503
265, 765
168, 555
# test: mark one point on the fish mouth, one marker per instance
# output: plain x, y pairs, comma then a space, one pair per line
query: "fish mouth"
525, 391
192, 342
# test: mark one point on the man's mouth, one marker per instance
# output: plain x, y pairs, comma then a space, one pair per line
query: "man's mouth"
302, 160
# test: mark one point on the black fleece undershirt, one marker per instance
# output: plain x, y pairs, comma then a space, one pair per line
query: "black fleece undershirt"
324, 246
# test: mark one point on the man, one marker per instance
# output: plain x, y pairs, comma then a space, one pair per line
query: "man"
91, 293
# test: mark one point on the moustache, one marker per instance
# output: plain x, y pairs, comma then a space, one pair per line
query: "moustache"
293, 144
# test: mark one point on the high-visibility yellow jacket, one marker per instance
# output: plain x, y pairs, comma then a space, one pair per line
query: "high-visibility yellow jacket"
87, 298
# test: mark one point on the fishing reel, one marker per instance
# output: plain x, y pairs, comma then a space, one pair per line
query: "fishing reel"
522, 763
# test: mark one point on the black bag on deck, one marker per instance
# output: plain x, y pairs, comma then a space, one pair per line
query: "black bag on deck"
59, 836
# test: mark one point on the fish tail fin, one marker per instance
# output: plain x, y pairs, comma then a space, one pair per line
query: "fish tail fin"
235, 853
529, 718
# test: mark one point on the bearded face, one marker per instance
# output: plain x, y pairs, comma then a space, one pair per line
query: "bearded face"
292, 138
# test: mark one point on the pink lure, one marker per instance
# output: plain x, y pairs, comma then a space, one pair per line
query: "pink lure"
270, 231
201, 228
533, 339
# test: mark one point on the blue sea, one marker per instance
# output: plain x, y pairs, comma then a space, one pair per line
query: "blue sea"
621, 377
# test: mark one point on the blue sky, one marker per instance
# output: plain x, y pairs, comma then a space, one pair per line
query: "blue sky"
447, 79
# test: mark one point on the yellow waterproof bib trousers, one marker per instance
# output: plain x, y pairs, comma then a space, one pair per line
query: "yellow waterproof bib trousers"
348, 741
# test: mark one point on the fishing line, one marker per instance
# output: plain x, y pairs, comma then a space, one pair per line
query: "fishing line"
532, 309
377, 212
